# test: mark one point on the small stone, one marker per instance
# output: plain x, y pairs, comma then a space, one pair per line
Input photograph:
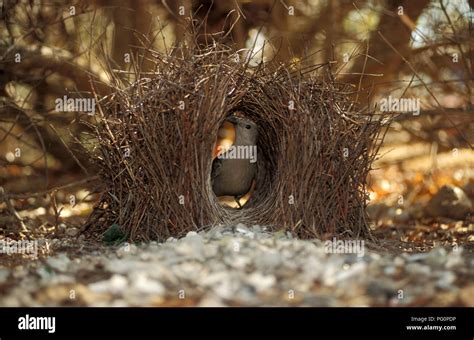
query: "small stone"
356, 270
312, 269
192, 245
318, 301
54, 242
450, 201
43, 273
398, 261
331, 268
145, 256
11, 301
390, 270
455, 259
59, 262
417, 257
237, 261
215, 232
242, 229
191, 234
261, 282
446, 280
115, 285
211, 301
72, 231
222, 284
381, 290
268, 261
211, 250
4, 273
437, 257
126, 249
60, 279
466, 295
418, 269
19, 272
122, 266
142, 284
247, 295
61, 228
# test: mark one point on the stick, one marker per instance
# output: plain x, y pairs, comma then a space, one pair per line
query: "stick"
4, 198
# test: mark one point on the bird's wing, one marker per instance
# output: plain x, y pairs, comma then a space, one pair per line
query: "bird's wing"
216, 168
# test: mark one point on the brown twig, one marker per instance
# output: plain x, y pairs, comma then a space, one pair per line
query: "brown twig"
4, 197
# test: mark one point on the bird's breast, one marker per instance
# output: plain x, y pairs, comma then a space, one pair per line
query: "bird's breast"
235, 177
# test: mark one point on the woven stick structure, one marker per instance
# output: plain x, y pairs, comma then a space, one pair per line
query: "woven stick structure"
156, 139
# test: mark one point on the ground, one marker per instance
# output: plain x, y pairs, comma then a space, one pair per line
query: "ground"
237, 266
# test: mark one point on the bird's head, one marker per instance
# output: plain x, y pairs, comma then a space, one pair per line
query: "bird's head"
244, 124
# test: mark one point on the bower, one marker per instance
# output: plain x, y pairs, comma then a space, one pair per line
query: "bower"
156, 137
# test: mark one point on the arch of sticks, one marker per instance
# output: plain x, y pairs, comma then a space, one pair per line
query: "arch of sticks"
156, 139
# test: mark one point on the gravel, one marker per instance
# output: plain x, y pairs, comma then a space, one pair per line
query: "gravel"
235, 266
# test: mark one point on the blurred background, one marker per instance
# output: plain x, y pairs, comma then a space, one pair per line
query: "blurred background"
400, 48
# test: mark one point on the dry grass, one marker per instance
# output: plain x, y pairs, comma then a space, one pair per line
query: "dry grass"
155, 157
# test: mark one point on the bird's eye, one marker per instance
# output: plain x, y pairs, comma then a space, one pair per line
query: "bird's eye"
247, 126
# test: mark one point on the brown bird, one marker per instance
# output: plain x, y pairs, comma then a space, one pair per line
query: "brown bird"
234, 171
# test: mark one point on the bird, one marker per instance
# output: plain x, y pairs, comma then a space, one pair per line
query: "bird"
233, 174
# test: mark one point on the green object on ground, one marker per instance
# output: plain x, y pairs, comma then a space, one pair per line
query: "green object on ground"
114, 235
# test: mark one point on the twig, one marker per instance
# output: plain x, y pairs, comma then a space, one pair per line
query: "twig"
61, 187
427, 89
4, 197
